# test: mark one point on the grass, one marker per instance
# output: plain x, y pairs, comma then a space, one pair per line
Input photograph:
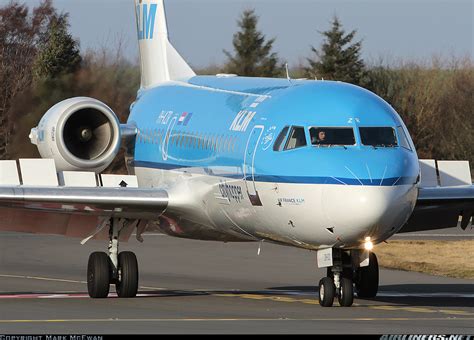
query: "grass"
443, 258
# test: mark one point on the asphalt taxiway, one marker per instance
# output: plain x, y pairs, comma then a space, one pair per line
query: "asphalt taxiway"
207, 287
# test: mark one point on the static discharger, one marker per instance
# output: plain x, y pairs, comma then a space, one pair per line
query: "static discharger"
259, 247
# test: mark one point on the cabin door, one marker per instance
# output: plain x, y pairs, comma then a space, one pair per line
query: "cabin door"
249, 164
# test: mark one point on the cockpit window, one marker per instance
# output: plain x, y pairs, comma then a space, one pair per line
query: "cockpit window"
327, 136
378, 136
296, 139
403, 138
278, 146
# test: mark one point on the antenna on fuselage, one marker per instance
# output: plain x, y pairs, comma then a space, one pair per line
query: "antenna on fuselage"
287, 72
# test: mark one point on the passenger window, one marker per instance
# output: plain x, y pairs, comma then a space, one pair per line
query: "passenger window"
327, 136
188, 139
199, 138
378, 136
158, 138
224, 144
221, 143
296, 139
209, 142
235, 146
278, 146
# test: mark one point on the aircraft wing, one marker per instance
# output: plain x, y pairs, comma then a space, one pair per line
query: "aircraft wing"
76, 211
441, 207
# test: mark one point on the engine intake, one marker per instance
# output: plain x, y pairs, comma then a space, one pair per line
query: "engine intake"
79, 134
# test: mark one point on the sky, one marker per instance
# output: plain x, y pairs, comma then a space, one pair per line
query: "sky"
201, 29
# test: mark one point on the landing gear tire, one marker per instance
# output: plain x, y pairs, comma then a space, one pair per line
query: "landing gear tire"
346, 292
98, 275
367, 283
327, 291
127, 283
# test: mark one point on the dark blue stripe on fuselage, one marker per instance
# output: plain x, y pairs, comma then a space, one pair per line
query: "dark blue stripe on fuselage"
288, 179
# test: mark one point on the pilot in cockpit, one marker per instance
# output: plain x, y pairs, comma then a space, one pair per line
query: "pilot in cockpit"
321, 137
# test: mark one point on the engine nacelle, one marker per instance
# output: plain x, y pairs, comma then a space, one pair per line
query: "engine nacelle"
79, 134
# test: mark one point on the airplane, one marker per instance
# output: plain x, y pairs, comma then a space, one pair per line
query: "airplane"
320, 165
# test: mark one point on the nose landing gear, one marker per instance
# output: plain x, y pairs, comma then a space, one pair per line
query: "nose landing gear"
342, 275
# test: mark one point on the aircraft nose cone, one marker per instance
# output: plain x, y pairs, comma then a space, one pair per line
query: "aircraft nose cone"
359, 211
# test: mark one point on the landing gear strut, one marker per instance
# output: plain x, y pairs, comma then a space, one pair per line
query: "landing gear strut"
341, 277
118, 268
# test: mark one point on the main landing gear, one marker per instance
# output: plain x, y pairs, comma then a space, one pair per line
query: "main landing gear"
343, 275
116, 268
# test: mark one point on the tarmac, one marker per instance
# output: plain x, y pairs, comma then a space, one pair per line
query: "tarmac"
192, 287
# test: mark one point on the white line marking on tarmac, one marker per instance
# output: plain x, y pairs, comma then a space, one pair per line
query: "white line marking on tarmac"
40, 278
61, 280
236, 292
234, 320
70, 296
151, 234
78, 295
152, 288
379, 294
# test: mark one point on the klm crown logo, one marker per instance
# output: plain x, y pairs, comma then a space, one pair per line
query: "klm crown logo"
146, 21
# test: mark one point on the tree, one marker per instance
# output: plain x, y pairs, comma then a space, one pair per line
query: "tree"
21, 36
253, 56
338, 58
60, 54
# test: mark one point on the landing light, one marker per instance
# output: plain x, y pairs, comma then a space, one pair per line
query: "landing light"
368, 245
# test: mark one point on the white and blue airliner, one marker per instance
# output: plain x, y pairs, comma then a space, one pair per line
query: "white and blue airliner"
320, 165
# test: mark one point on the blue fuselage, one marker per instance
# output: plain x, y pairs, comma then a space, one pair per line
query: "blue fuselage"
245, 155
207, 124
